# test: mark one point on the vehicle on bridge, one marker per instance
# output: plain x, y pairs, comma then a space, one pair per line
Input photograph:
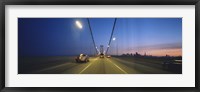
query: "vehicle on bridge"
101, 55
82, 58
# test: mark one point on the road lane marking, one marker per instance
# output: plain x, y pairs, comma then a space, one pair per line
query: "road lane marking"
117, 66
147, 68
87, 66
120, 69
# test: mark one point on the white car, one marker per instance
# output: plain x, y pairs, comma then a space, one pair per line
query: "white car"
82, 58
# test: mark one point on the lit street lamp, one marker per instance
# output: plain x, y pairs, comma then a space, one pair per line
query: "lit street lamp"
79, 25
114, 38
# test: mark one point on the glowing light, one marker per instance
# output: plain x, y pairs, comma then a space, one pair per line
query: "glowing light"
79, 25
114, 39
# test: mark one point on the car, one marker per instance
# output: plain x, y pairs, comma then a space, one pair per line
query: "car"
101, 55
82, 58
108, 56
173, 65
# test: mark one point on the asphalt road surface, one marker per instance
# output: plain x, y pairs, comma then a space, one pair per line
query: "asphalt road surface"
96, 65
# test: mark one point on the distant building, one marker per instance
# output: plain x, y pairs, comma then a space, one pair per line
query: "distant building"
137, 54
145, 54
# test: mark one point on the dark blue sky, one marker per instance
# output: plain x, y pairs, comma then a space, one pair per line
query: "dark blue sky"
61, 36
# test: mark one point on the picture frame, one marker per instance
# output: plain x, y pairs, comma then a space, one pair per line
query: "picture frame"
99, 2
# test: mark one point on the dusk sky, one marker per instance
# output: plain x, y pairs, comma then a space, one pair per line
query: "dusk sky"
61, 36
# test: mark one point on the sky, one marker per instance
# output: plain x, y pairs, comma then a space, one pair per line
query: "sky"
62, 36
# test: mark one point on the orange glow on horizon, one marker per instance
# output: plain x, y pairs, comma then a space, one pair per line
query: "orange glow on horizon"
164, 52
157, 52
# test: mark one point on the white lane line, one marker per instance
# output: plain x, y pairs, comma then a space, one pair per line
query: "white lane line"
117, 66
87, 66
120, 69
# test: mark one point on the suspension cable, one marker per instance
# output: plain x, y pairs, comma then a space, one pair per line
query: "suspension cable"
111, 35
92, 35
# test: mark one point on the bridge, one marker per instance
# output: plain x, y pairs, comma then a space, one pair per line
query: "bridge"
84, 42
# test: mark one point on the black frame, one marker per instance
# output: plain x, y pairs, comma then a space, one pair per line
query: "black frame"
99, 2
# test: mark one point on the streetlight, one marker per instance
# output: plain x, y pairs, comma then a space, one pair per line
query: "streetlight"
114, 39
78, 24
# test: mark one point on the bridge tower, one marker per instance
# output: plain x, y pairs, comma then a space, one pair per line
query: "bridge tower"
101, 49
